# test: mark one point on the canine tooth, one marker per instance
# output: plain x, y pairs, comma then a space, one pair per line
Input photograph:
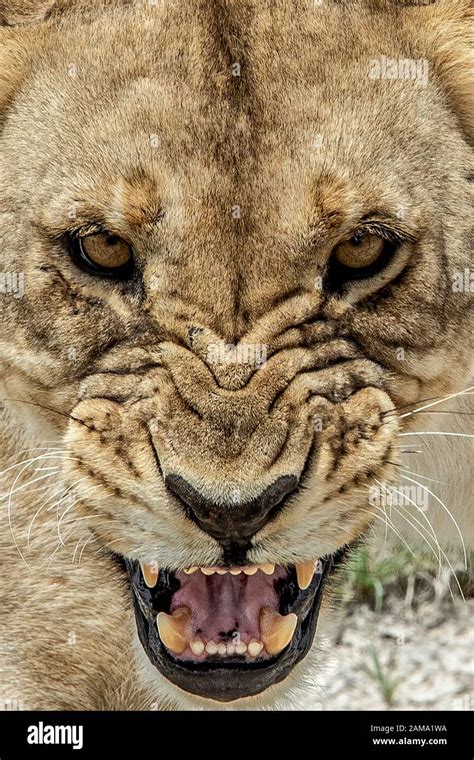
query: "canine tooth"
150, 572
250, 570
230, 648
190, 570
207, 570
240, 648
172, 629
267, 568
222, 648
276, 630
255, 647
235, 570
197, 646
304, 573
211, 647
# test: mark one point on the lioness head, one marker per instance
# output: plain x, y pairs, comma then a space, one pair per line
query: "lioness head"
236, 228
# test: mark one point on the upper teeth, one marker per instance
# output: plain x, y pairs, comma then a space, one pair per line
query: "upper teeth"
304, 571
150, 573
267, 568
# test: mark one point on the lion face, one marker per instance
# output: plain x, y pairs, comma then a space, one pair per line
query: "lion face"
238, 252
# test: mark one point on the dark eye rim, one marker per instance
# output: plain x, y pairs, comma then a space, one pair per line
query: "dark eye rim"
340, 274
81, 259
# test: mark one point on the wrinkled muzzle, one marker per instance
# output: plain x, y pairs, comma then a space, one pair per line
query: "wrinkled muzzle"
221, 477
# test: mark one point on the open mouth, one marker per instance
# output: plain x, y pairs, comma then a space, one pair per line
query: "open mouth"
227, 633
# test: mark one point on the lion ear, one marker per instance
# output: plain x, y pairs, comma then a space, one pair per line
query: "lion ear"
447, 26
16, 12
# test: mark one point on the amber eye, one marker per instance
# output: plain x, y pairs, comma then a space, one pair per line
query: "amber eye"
359, 253
359, 258
104, 255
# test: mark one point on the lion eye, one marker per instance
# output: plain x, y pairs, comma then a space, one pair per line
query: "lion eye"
359, 253
104, 255
360, 257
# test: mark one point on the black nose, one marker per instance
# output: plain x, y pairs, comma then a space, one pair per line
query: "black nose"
235, 523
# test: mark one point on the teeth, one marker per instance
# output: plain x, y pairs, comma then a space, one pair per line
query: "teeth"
150, 572
255, 647
222, 648
240, 648
172, 629
304, 573
276, 630
230, 648
197, 646
211, 647
267, 568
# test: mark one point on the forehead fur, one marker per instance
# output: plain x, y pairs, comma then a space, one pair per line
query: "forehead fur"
235, 79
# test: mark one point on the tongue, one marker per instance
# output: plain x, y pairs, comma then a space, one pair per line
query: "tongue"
226, 608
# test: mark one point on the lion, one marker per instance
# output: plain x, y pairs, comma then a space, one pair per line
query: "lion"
236, 241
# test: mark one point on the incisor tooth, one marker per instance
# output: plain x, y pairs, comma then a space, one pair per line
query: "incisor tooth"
230, 648
235, 570
268, 569
211, 647
276, 630
197, 646
255, 647
150, 572
221, 571
240, 648
172, 629
250, 570
304, 573
190, 570
207, 570
222, 648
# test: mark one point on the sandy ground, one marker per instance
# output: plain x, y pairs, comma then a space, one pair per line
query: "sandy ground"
425, 658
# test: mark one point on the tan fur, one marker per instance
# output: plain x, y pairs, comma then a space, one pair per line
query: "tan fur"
232, 190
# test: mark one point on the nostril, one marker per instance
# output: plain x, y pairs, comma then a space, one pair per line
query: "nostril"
273, 498
193, 501
232, 522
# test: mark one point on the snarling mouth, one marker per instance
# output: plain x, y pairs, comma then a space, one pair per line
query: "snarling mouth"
227, 633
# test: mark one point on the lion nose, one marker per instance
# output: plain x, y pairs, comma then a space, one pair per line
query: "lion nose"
233, 523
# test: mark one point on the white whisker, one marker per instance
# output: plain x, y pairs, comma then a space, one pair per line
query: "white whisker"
437, 432
423, 536
435, 403
425, 488
388, 521
424, 477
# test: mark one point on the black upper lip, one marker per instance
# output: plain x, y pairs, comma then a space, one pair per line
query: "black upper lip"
210, 679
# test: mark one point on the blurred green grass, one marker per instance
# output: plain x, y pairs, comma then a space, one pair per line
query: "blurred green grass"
370, 579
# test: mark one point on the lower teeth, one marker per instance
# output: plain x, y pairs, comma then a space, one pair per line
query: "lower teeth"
276, 630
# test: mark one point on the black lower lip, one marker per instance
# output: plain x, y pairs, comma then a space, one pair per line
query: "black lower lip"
236, 680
